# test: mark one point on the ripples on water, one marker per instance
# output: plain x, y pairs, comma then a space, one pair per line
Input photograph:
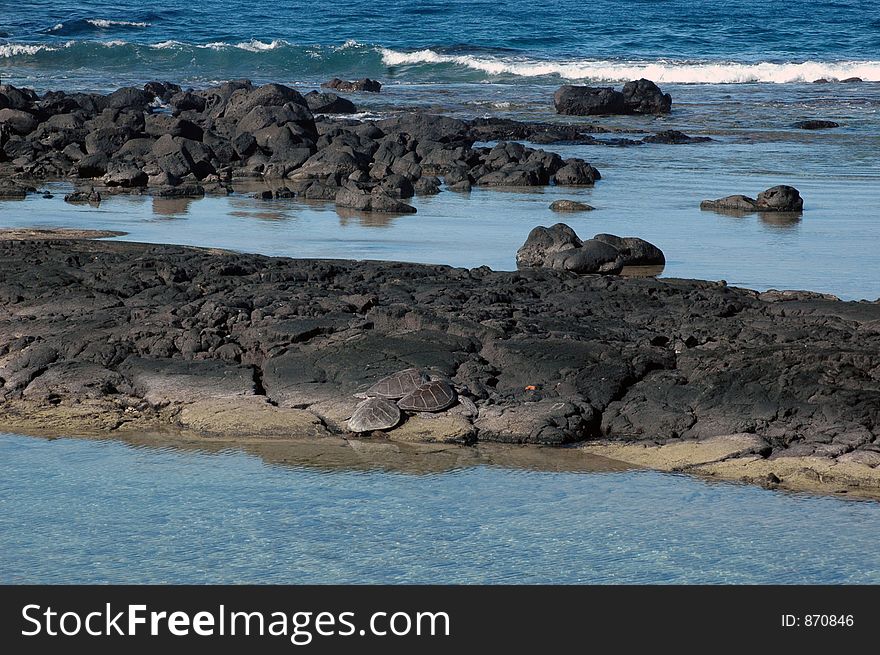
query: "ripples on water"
87, 511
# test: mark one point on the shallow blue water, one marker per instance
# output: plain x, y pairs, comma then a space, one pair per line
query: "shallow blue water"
83, 511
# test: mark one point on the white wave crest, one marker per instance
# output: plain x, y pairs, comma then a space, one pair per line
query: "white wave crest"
255, 45
164, 45
659, 71
18, 49
56, 27
103, 23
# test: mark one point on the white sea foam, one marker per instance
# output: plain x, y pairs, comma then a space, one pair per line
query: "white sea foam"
164, 45
18, 49
101, 22
255, 45
658, 71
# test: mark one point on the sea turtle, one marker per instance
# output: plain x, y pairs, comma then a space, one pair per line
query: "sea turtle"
374, 414
397, 385
434, 396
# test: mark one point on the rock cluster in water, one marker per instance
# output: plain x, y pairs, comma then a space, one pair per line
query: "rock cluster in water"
559, 247
177, 142
205, 139
780, 198
637, 97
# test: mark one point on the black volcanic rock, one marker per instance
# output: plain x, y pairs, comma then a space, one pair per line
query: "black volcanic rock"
638, 97
652, 360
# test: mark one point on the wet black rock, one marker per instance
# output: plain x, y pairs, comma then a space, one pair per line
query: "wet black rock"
364, 84
90, 196
543, 242
780, 198
638, 97
634, 251
674, 137
592, 256
559, 247
815, 125
8, 192
644, 97
18, 121
329, 103
588, 101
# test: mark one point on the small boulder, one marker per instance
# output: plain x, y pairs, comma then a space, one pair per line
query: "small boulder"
329, 103
593, 256
576, 172
674, 137
570, 206
18, 121
634, 251
781, 198
588, 101
90, 196
124, 174
737, 203
815, 125
12, 193
644, 97
638, 97
543, 242
427, 185
157, 125
365, 84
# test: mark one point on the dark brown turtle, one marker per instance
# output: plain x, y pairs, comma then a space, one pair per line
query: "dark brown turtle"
430, 397
374, 414
397, 385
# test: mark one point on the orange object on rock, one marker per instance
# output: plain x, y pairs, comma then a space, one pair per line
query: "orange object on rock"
531, 387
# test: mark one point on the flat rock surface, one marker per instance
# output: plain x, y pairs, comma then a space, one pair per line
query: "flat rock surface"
548, 357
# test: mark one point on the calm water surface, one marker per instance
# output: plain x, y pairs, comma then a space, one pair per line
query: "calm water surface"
102, 511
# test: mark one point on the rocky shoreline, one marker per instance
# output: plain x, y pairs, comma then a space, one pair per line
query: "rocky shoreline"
113, 338
173, 142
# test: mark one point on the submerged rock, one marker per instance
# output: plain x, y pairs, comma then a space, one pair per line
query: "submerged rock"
781, 198
570, 206
363, 84
815, 124
674, 137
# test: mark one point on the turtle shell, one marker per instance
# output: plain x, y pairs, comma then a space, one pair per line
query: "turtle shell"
429, 397
374, 414
397, 385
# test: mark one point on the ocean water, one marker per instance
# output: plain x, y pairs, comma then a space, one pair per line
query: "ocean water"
474, 41
106, 512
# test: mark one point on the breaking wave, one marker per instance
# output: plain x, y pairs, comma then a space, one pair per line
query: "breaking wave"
672, 72
280, 59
